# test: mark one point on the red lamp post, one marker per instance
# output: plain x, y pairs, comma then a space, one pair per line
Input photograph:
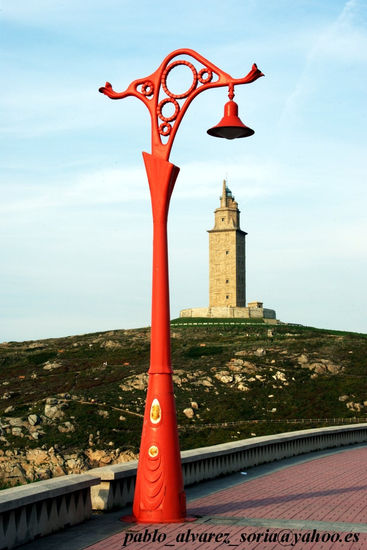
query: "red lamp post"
159, 494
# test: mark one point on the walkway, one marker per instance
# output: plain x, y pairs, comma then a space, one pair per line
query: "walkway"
312, 502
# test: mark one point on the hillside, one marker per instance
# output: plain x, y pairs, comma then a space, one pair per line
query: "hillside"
86, 393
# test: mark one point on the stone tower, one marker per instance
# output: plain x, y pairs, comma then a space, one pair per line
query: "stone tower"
227, 255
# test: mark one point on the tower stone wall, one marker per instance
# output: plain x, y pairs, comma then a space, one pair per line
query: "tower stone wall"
227, 255
227, 269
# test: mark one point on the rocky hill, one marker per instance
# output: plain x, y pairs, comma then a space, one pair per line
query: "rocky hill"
72, 403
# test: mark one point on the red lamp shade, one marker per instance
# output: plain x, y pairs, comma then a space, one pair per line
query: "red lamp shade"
231, 126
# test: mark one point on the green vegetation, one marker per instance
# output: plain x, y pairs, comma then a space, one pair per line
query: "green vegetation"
198, 351
214, 321
255, 375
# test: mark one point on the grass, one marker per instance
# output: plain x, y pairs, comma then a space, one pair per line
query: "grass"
200, 352
214, 321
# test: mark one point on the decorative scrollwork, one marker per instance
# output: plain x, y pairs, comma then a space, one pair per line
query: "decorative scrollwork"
149, 88
162, 104
169, 69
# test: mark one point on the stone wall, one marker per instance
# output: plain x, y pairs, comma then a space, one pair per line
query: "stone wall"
229, 312
227, 255
117, 482
24, 466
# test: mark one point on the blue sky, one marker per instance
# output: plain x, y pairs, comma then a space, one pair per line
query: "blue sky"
75, 227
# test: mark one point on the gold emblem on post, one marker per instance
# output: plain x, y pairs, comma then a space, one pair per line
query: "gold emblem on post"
153, 451
155, 412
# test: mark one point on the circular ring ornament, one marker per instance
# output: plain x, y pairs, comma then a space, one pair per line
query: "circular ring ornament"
147, 88
205, 79
169, 69
162, 104
165, 129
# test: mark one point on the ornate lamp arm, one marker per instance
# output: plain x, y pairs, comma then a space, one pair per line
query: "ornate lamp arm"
149, 90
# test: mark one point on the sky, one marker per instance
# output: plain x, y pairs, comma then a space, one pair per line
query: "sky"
75, 217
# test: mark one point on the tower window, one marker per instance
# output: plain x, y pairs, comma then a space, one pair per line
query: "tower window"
227, 280
227, 297
227, 251
222, 219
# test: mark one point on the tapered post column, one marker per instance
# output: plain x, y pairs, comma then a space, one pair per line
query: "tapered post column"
159, 495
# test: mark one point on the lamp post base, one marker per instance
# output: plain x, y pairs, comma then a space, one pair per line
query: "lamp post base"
159, 493
133, 519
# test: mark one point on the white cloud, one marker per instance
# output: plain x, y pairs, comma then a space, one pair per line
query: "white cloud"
123, 185
44, 12
341, 41
75, 214
101, 187
44, 111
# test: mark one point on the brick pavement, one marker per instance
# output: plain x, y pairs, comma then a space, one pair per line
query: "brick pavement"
332, 488
315, 505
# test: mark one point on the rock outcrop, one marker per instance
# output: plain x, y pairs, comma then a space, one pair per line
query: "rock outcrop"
19, 467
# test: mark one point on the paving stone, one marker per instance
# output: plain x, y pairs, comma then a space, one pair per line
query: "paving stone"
322, 494
320, 500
